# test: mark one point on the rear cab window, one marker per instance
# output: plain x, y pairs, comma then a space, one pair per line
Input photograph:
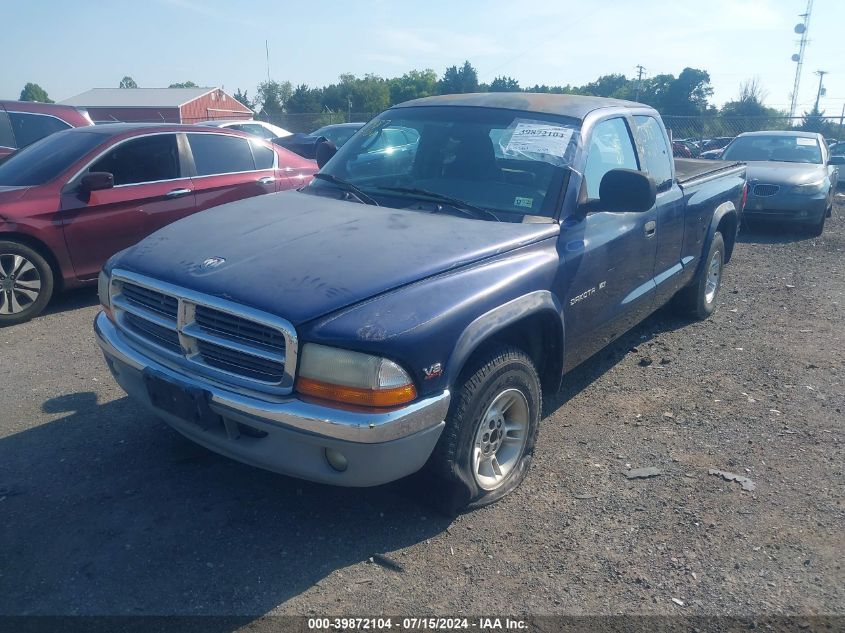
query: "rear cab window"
655, 153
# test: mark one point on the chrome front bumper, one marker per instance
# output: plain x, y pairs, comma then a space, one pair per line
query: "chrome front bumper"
379, 447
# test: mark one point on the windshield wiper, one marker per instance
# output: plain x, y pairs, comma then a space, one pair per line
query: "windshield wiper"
456, 203
348, 187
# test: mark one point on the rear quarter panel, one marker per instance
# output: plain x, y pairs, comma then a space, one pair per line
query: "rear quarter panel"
703, 199
296, 170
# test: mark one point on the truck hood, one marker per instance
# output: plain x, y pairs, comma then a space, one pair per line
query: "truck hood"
302, 256
780, 173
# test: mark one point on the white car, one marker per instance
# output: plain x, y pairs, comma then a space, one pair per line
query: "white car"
261, 129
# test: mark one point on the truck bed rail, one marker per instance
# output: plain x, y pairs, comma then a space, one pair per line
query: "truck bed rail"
690, 169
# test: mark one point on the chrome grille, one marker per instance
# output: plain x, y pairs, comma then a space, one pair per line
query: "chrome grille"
765, 190
226, 324
204, 335
160, 335
251, 366
150, 299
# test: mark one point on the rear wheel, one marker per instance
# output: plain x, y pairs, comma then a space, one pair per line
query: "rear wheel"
698, 300
26, 283
487, 446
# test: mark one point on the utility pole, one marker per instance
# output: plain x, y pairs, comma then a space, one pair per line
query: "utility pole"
841, 119
267, 50
821, 74
640, 71
349, 102
802, 29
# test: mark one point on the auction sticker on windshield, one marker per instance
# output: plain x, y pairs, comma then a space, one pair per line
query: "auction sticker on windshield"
538, 140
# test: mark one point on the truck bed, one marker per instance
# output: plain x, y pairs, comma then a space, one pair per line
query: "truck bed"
690, 169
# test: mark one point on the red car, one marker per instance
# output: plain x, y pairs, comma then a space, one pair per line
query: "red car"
679, 150
24, 122
71, 200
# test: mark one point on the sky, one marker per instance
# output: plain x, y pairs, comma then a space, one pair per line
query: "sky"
68, 48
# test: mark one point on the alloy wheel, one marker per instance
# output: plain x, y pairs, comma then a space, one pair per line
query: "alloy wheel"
20, 283
714, 274
500, 439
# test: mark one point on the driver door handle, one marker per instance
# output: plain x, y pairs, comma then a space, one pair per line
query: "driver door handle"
266, 180
650, 228
178, 193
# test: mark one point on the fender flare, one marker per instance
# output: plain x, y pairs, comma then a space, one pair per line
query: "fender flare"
723, 210
499, 318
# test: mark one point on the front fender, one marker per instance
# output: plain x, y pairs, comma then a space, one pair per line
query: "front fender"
438, 320
539, 302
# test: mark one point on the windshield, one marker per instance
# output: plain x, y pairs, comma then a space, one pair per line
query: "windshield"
777, 147
45, 159
509, 162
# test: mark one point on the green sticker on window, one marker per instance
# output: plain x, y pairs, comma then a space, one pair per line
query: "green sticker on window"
519, 201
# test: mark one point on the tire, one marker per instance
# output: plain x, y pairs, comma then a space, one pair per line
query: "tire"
817, 229
462, 471
26, 283
698, 299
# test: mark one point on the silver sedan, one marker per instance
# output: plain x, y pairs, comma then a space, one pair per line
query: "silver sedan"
791, 176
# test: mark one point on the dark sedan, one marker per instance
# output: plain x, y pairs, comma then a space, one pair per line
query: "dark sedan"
337, 133
791, 176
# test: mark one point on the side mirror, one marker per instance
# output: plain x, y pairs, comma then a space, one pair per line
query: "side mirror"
96, 181
836, 160
626, 190
324, 151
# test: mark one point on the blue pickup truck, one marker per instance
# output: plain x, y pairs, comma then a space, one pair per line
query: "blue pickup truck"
407, 312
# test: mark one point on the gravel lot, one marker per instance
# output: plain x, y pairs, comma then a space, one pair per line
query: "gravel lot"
105, 510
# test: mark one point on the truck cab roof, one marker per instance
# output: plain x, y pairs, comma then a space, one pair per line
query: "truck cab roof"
574, 106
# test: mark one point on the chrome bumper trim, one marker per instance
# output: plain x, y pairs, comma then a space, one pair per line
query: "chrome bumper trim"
292, 413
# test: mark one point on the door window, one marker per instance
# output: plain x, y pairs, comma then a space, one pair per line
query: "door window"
265, 157
29, 128
655, 152
610, 148
220, 154
144, 159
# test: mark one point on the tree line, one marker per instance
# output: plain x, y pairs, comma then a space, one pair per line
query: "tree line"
686, 94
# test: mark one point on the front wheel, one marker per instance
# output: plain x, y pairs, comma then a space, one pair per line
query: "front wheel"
698, 300
817, 229
26, 283
488, 443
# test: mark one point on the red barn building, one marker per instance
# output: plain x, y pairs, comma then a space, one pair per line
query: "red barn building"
159, 105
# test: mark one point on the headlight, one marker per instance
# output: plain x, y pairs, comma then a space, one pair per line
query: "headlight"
809, 187
103, 290
353, 378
